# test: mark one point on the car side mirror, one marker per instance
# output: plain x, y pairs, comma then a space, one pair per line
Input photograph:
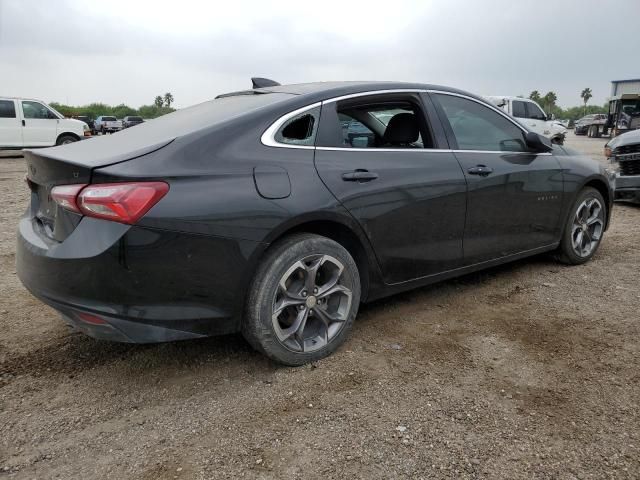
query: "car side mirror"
537, 142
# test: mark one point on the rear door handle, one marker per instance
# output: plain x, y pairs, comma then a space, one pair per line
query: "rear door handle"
481, 170
359, 176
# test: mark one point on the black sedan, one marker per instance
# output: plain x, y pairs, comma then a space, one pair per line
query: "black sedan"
254, 212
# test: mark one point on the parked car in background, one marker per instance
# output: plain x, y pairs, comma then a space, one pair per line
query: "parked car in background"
27, 122
586, 124
130, 121
623, 152
354, 133
107, 124
250, 213
90, 123
530, 114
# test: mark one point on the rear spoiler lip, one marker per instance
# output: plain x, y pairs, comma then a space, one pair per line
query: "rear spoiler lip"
50, 152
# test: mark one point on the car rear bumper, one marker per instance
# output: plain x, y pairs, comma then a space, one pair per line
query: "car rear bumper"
134, 284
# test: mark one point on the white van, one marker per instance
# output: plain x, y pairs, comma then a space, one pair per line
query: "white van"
25, 122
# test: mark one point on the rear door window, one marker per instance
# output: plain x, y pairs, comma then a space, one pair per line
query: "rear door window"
390, 121
7, 109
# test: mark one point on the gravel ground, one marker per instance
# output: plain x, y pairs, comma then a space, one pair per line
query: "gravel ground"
529, 370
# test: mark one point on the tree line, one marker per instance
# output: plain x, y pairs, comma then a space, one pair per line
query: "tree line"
160, 106
548, 104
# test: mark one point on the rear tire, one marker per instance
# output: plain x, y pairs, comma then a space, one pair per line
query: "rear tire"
303, 300
65, 139
584, 228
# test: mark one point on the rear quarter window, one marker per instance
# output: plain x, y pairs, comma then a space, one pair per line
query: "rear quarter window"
299, 130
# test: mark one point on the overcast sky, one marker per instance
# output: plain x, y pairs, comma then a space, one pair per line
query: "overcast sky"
129, 51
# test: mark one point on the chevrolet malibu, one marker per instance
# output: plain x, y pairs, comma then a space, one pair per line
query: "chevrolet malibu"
257, 212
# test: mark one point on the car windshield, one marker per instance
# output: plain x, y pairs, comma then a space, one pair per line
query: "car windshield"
135, 119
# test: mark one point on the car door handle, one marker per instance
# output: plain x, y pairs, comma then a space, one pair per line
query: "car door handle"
23, 123
359, 176
481, 170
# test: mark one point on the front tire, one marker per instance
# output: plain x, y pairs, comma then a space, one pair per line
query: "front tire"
66, 139
303, 300
584, 228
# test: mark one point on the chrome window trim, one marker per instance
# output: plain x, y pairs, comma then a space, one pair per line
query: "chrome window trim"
426, 150
374, 92
268, 137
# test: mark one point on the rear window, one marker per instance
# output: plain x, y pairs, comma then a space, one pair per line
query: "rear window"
135, 119
108, 119
7, 109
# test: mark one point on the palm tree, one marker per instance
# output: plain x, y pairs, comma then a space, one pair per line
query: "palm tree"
159, 101
586, 95
535, 96
550, 101
168, 99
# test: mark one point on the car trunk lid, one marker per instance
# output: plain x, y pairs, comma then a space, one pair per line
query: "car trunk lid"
51, 167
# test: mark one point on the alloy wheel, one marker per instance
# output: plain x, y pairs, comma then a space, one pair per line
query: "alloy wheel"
312, 303
587, 227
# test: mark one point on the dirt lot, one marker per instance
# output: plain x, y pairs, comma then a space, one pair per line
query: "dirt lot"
530, 370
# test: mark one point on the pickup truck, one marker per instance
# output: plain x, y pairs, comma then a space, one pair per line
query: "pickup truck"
27, 122
623, 152
107, 124
529, 113
130, 121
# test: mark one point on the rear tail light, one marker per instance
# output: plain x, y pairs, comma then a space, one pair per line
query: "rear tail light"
118, 202
91, 319
66, 195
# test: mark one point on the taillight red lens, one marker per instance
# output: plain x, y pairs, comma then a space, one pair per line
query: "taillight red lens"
120, 202
65, 196
92, 319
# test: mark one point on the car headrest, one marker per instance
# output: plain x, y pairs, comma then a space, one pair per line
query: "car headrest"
402, 128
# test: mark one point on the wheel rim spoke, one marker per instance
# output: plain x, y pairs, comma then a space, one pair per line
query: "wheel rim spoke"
326, 317
335, 289
298, 325
285, 303
312, 272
